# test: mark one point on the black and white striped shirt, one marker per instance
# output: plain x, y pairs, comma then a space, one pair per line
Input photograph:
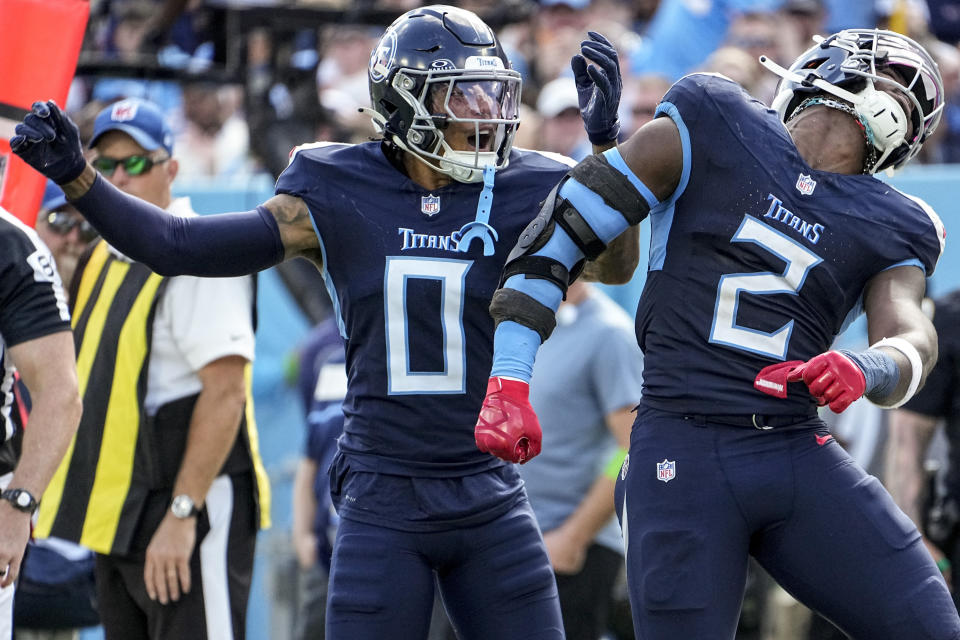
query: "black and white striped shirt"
32, 305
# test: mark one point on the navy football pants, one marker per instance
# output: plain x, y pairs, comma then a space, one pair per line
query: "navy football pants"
495, 581
824, 529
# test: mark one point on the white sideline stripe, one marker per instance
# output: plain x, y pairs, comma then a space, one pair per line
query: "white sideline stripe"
6, 594
6, 613
213, 560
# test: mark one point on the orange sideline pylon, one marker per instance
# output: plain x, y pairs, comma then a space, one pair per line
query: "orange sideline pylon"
39, 44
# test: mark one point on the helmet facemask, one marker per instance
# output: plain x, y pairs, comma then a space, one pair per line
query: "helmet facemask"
855, 66
479, 107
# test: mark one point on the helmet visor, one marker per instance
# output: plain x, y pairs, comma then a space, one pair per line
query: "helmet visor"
477, 100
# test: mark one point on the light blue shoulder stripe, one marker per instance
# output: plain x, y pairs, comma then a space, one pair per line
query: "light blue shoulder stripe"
605, 221
331, 289
661, 216
617, 162
912, 262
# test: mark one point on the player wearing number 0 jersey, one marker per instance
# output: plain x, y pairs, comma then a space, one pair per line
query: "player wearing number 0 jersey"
769, 234
413, 297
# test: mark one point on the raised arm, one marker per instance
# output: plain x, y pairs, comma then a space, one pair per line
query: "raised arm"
227, 244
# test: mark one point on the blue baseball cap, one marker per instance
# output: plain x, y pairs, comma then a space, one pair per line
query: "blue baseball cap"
53, 197
141, 120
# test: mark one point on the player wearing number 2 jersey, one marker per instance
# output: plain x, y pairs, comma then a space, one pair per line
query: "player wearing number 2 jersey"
768, 235
412, 234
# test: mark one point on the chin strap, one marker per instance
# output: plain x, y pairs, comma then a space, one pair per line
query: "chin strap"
871, 158
883, 119
379, 122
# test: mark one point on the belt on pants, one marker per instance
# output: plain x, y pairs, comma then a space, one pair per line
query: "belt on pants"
755, 420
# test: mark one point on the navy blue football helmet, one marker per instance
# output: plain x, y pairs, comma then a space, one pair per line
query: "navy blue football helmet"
853, 65
441, 66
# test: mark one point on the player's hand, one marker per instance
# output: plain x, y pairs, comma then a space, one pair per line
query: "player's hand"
49, 142
305, 547
598, 88
14, 534
832, 378
166, 569
567, 554
507, 427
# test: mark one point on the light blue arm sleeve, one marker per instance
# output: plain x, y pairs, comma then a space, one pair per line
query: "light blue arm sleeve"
514, 345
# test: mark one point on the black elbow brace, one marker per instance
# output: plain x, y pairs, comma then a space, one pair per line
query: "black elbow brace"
617, 192
597, 174
510, 304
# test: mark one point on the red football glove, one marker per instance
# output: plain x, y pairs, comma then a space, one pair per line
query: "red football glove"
507, 427
832, 379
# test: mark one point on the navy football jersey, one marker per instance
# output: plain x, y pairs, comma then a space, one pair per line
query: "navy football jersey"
32, 304
413, 308
757, 258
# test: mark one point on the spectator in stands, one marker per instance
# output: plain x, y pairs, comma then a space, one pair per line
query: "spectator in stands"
641, 95
63, 229
703, 25
561, 129
123, 38
214, 140
808, 17
558, 27
761, 33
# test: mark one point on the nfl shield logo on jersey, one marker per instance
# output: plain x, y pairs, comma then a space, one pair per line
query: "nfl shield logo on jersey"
666, 470
430, 205
806, 185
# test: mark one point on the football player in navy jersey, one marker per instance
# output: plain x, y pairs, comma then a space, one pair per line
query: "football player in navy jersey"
769, 234
412, 234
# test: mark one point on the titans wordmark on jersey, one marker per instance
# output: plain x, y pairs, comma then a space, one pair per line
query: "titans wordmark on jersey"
411, 298
757, 257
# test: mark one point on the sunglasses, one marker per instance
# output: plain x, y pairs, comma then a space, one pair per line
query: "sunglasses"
62, 223
133, 165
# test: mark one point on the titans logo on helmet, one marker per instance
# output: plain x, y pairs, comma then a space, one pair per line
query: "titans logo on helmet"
381, 59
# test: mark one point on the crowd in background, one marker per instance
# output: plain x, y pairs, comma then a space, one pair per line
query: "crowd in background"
240, 101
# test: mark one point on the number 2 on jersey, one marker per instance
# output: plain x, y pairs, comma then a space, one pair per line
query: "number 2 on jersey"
799, 260
451, 274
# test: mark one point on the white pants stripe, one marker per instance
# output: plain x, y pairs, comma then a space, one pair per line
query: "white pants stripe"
213, 560
6, 594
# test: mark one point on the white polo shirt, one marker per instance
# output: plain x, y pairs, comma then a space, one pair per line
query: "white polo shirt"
197, 321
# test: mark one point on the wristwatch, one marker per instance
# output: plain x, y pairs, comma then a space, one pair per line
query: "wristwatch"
183, 507
21, 499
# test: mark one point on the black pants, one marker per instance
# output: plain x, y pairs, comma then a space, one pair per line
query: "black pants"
221, 565
585, 597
